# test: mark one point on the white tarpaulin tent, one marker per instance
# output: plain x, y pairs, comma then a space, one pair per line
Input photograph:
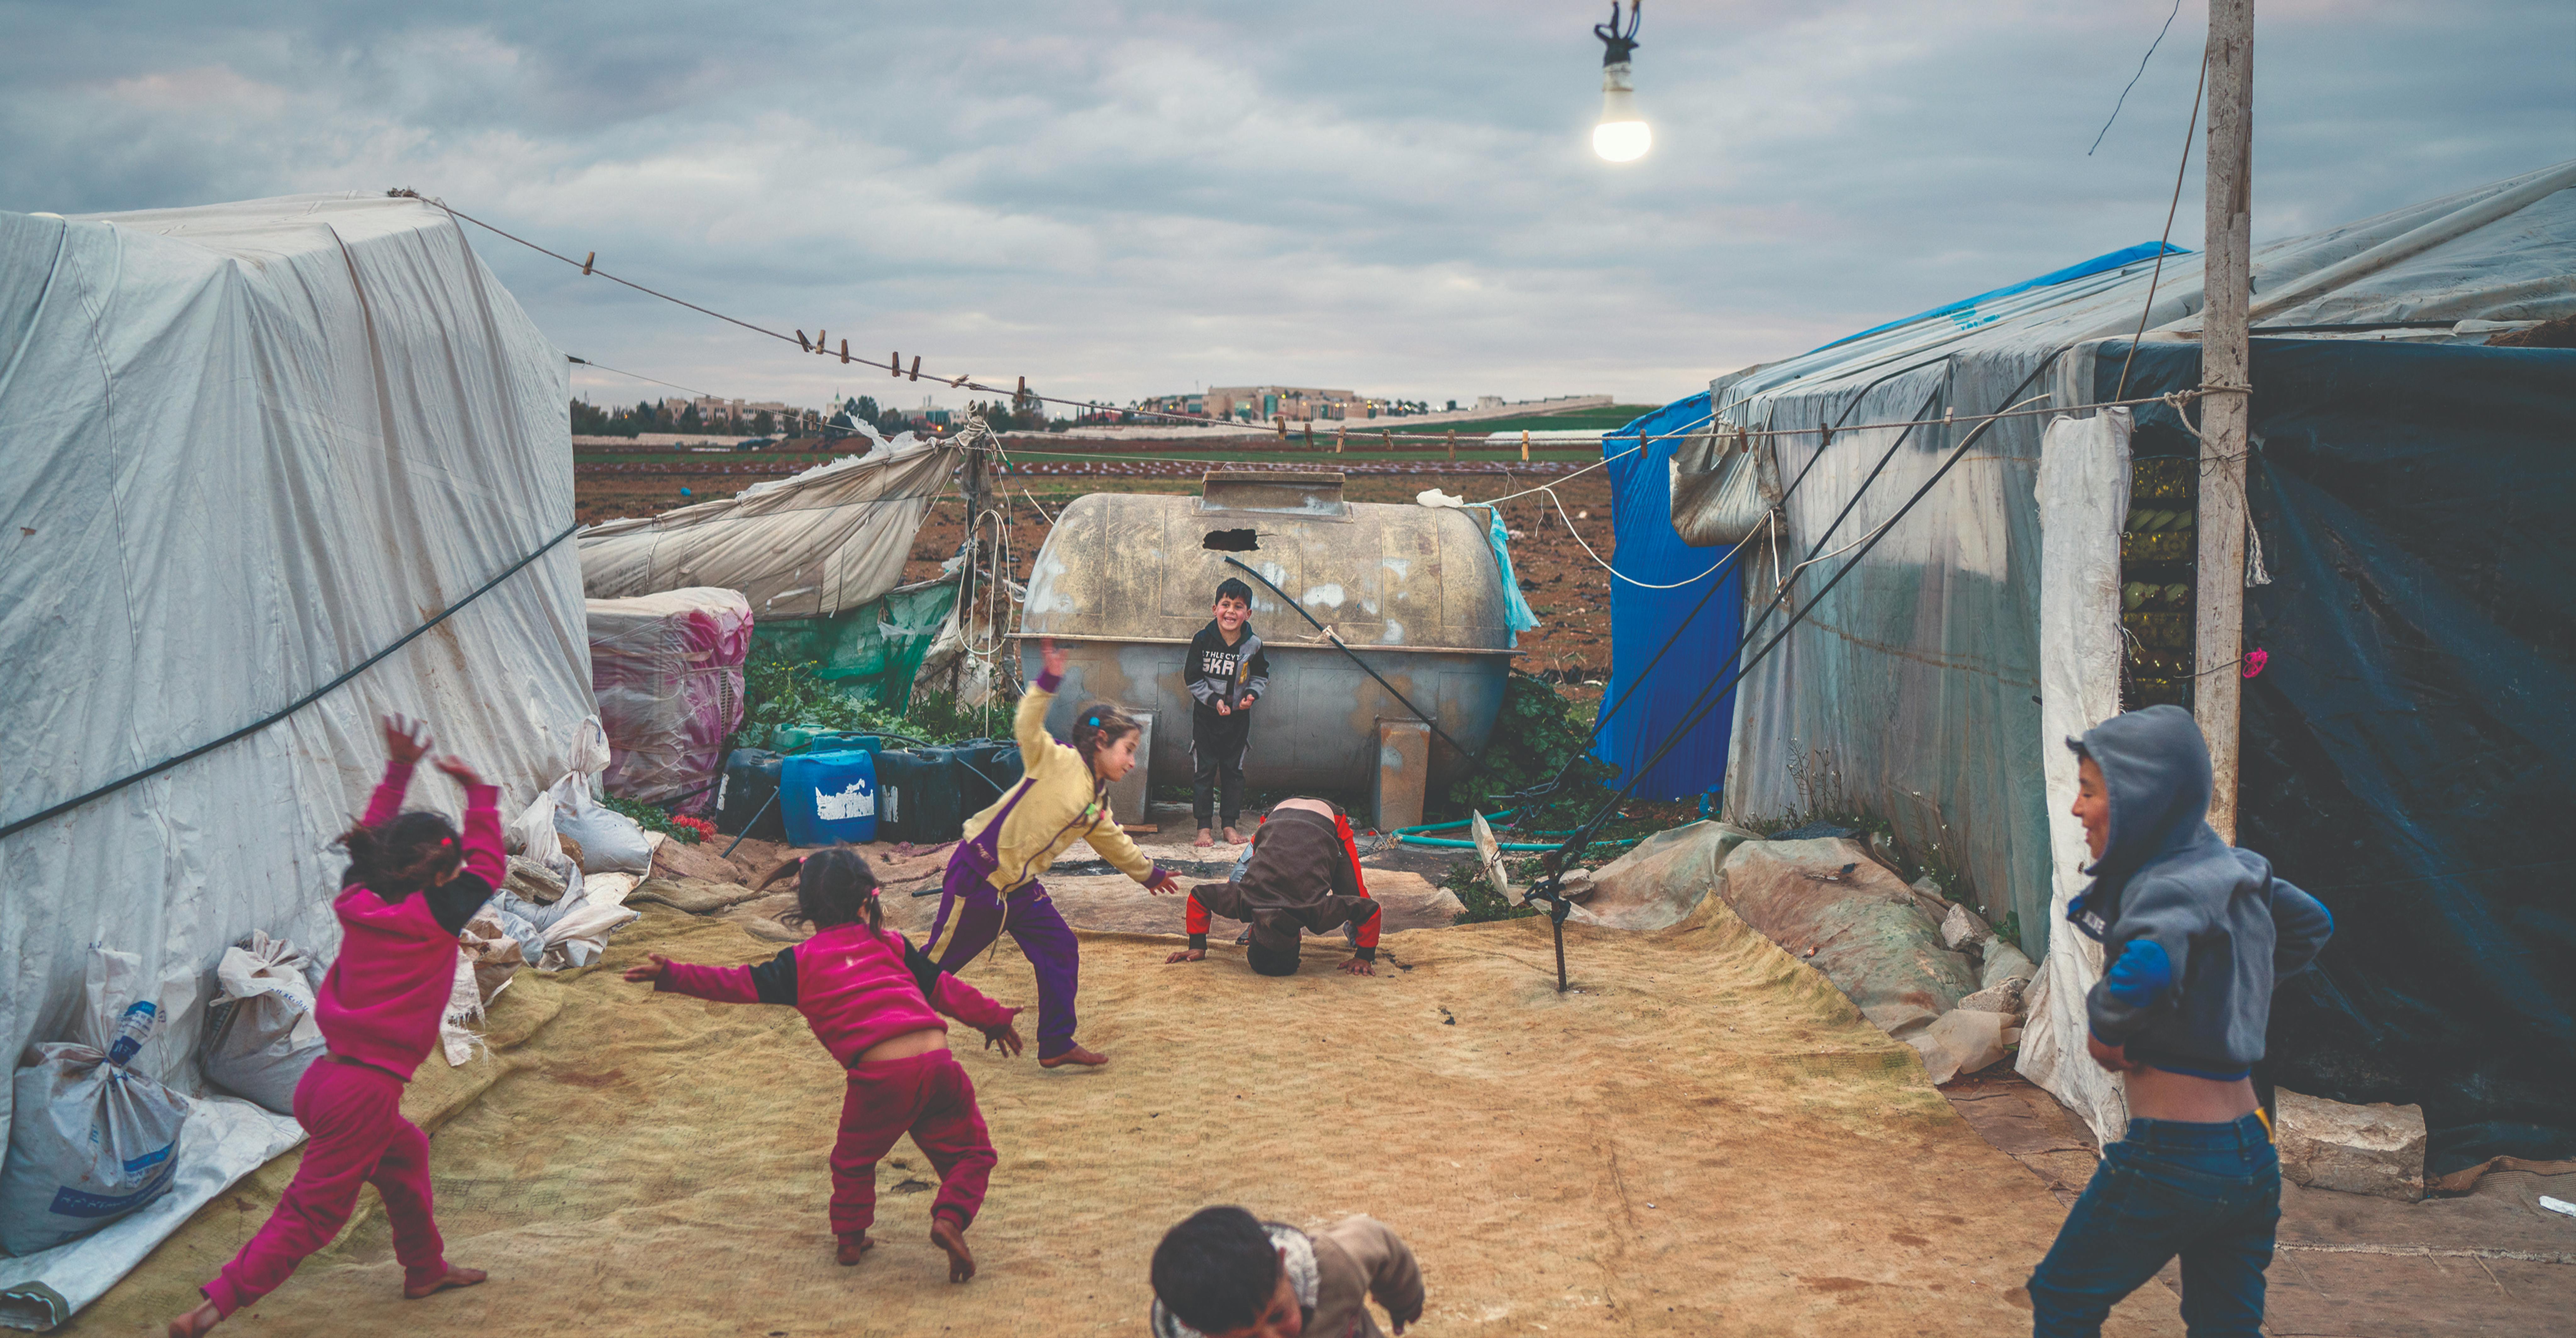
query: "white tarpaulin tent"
1915, 690
252, 446
827, 540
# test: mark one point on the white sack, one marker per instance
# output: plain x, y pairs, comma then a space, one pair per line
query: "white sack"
261, 1036
609, 840
2083, 501
93, 1136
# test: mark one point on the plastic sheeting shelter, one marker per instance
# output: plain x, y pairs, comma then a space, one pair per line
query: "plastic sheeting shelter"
252, 446
829, 539
1666, 597
2407, 749
1912, 691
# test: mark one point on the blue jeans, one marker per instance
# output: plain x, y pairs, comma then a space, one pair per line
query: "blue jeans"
2208, 1192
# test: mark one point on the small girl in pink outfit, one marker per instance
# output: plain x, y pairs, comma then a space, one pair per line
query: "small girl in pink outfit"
869, 995
412, 883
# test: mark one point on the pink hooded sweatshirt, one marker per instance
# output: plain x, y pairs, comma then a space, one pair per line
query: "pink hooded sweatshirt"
857, 987
384, 996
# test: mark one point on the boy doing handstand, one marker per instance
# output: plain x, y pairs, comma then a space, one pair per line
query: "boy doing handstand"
1226, 674
1302, 873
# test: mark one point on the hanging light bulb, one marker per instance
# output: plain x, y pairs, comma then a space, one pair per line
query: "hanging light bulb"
1622, 136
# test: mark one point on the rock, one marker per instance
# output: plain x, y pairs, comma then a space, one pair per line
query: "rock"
1577, 885
2376, 1149
1961, 927
571, 849
2004, 996
533, 881
1876, 943
706, 860
1658, 884
1964, 1040
2003, 962
1929, 886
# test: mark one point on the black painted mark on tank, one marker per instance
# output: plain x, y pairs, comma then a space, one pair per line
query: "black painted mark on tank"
1231, 541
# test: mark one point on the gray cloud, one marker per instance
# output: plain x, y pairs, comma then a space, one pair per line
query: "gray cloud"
1123, 199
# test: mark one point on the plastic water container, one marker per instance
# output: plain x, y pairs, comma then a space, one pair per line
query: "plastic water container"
829, 797
986, 768
921, 799
836, 741
750, 778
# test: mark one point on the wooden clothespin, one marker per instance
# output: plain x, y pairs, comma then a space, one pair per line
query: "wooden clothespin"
586, 262
1453, 443
1524, 445
1389, 434
916, 366
894, 364
801, 345
845, 350
1282, 421
1338, 431
961, 380
818, 341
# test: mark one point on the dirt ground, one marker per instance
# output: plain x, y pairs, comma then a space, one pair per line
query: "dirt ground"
1703, 1137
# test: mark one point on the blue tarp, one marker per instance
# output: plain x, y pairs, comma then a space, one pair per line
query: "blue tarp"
1641, 620
2409, 750
1965, 315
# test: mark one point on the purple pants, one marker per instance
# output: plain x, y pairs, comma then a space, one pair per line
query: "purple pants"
1033, 922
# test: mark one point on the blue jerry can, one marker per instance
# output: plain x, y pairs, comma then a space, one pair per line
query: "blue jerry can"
828, 797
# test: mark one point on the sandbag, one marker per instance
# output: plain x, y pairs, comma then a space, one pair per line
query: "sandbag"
91, 1135
261, 1035
610, 841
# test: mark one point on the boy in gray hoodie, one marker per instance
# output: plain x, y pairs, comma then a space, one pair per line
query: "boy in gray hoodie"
2194, 934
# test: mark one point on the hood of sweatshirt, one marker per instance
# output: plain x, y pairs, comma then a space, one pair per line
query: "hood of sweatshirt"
2155, 767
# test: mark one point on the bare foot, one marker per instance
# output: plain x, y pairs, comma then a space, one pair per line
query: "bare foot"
951, 1237
455, 1277
1205, 840
1232, 839
1076, 1055
196, 1322
853, 1245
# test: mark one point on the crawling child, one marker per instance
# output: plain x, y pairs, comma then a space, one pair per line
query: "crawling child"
1223, 1273
869, 995
1303, 872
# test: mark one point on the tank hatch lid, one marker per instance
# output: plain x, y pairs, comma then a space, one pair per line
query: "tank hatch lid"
1311, 494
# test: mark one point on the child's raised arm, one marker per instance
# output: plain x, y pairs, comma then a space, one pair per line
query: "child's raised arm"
769, 982
1028, 725
406, 742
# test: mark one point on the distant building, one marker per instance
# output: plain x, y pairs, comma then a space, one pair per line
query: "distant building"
1297, 404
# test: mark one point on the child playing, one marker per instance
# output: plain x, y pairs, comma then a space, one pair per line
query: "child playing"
1226, 673
2194, 935
992, 877
1222, 1273
1303, 872
868, 994
411, 885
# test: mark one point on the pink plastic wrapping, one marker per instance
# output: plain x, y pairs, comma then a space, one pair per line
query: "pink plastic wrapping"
667, 672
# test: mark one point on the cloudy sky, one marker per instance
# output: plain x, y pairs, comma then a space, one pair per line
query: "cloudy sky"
1121, 199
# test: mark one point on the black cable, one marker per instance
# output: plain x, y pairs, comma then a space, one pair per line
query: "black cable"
297, 705
1418, 712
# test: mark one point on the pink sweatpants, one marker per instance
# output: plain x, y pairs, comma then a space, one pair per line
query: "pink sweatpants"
353, 1116
929, 1096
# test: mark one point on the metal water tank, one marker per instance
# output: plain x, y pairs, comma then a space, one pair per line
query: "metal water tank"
1126, 579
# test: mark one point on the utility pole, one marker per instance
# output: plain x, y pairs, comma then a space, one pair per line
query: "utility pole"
2219, 601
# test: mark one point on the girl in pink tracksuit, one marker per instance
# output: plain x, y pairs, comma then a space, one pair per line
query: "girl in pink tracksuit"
869, 995
412, 883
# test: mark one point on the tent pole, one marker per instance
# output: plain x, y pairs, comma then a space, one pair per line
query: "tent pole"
2219, 600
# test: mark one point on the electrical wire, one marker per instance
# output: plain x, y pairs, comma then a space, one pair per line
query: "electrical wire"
637, 375
2164, 243
2133, 79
